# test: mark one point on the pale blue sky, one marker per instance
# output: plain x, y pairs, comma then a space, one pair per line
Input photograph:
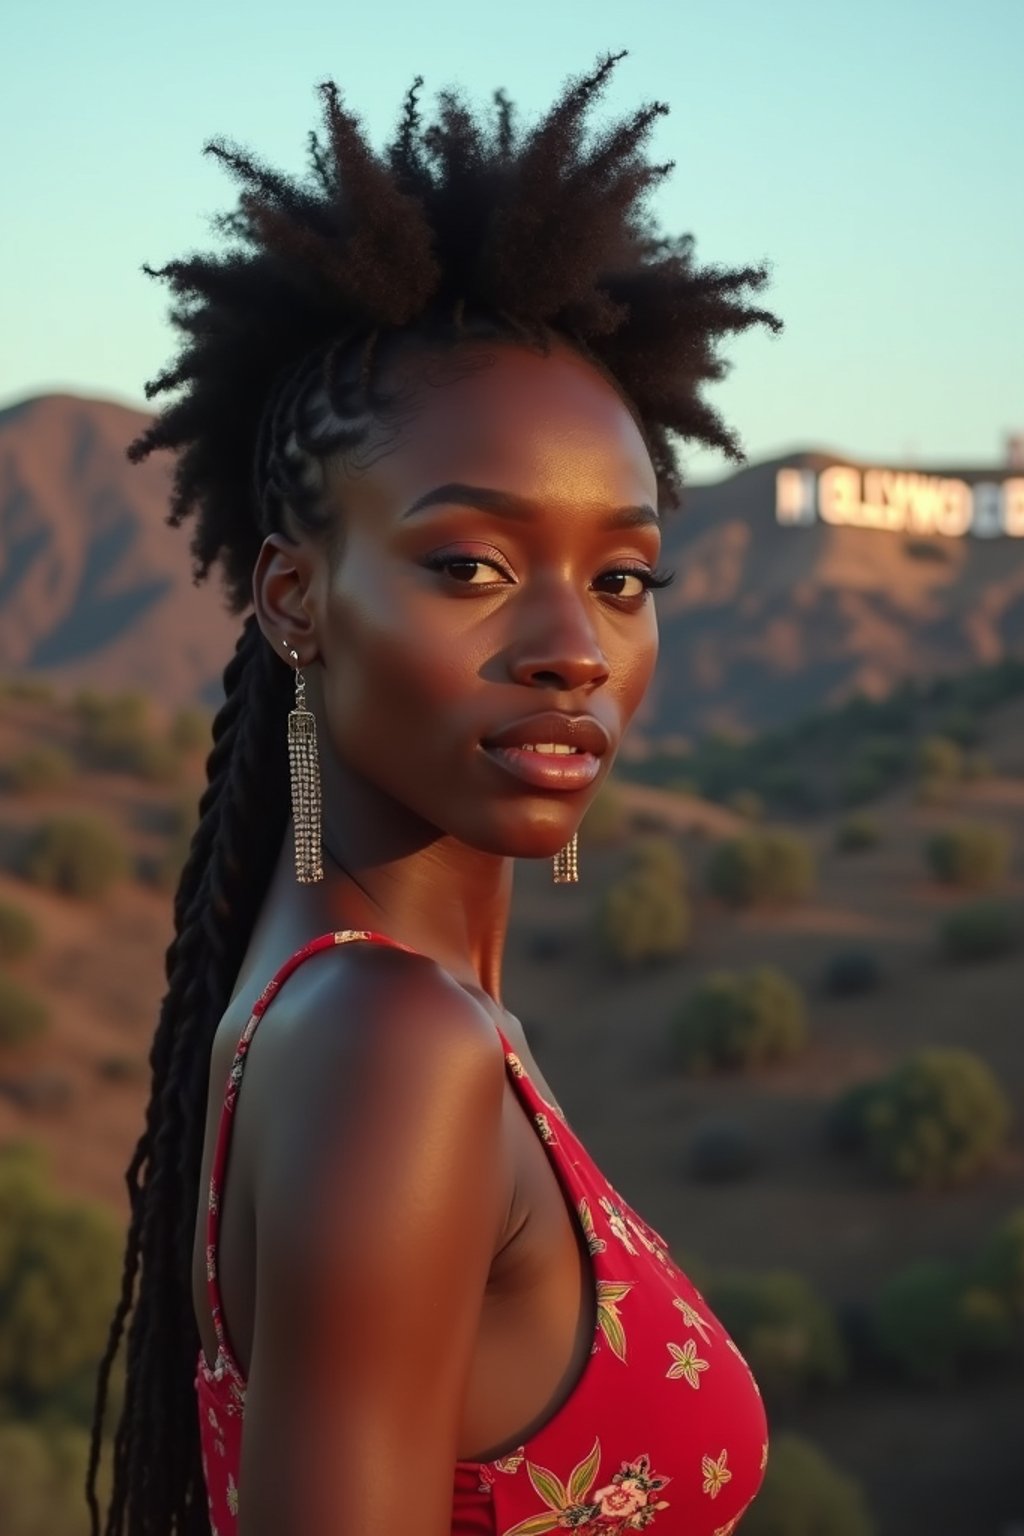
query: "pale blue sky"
872, 151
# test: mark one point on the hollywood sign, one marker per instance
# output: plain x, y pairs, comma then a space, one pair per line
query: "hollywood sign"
901, 501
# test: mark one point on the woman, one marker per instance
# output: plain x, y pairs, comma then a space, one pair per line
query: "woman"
424, 426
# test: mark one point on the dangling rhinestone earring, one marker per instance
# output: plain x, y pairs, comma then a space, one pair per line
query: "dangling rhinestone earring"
304, 765
566, 867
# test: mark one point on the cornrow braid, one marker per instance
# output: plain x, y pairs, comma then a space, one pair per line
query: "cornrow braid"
457, 230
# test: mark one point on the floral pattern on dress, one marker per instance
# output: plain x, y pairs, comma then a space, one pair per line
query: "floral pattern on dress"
649, 1242
716, 1473
544, 1126
609, 1294
692, 1318
687, 1364
623, 1504
617, 1223
594, 1243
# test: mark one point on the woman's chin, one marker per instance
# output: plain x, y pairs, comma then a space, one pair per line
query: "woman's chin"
537, 843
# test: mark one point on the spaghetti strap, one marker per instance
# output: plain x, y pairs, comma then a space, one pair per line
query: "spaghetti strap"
225, 1363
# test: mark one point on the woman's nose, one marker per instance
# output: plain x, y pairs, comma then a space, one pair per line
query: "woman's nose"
559, 645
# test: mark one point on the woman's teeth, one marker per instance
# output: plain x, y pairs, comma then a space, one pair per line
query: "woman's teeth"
546, 746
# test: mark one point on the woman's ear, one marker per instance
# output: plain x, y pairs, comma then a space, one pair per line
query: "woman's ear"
284, 581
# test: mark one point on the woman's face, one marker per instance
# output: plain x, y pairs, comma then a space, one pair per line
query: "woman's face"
446, 617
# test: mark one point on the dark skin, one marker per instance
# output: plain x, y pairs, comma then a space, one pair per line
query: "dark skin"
408, 667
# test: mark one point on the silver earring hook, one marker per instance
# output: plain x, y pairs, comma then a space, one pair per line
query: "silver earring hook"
300, 681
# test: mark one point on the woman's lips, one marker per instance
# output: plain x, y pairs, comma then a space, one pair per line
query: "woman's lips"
547, 770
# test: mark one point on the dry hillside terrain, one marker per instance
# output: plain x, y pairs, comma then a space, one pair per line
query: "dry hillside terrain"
934, 1463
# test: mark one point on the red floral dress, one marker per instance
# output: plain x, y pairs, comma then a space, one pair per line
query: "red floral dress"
666, 1427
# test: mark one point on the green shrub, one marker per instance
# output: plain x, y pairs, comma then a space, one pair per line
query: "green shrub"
888, 755
60, 1268
790, 789
862, 783
961, 726
23, 1017
982, 931
737, 1022
880, 761
938, 1120
19, 932
31, 690
846, 1119
804, 1494
78, 854
933, 792
1000, 1265
851, 973
856, 833
645, 916
983, 688
939, 760
116, 735
786, 1332
988, 1328
101, 713
722, 1150
761, 868
941, 690
932, 1325
178, 820
971, 855
190, 729
606, 820
158, 762
42, 1477
659, 855
37, 770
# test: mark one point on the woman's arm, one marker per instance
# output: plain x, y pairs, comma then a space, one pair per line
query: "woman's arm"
380, 1200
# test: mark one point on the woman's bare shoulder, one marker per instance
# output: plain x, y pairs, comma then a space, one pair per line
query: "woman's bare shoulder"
381, 1198
367, 1033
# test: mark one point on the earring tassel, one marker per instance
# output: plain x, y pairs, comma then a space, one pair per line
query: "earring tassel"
305, 776
566, 869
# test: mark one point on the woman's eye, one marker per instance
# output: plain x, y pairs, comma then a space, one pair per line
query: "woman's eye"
454, 564
639, 588
466, 569
647, 581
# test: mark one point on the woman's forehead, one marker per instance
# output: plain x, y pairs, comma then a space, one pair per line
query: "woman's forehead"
511, 418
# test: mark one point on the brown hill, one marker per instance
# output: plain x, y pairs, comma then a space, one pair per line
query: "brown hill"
95, 587
762, 623
765, 622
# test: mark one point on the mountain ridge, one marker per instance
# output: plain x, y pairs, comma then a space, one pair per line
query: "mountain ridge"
762, 622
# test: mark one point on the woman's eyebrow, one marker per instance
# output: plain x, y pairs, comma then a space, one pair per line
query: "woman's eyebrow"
507, 504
